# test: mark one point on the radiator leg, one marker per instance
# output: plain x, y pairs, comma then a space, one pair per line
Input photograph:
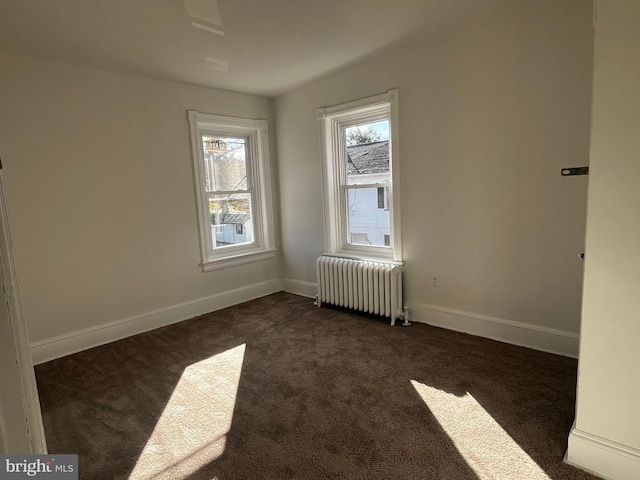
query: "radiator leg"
405, 317
317, 301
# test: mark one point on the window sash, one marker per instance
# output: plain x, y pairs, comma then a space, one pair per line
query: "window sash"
252, 208
365, 185
353, 182
248, 160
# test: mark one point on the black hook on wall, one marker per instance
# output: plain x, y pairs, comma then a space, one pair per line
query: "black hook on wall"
571, 171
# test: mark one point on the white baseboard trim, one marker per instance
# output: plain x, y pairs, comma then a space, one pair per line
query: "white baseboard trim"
508, 331
300, 287
603, 457
62, 345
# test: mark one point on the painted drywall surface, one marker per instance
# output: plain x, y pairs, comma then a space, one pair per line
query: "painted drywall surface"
608, 387
100, 193
490, 111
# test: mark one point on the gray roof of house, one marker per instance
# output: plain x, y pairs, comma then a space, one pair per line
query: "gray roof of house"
227, 218
368, 158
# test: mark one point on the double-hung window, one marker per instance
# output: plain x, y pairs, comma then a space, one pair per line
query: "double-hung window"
231, 166
361, 178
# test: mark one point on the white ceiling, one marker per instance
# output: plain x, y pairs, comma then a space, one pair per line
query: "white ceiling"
268, 47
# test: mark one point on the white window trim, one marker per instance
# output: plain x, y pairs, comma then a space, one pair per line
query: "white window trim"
257, 131
332, 144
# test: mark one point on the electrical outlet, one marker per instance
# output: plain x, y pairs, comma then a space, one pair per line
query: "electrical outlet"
435, 280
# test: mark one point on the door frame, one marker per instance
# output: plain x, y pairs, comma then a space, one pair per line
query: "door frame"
21, 426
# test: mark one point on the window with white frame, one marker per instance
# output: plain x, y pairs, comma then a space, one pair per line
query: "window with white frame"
361, 178
231, 167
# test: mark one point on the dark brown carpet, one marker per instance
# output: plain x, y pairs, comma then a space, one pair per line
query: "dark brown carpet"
322, 394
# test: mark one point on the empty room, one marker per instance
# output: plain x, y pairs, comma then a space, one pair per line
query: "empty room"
308, 240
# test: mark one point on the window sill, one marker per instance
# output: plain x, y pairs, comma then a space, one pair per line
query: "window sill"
238, 259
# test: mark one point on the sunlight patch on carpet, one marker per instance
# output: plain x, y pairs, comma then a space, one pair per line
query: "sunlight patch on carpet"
192, 429
482, 442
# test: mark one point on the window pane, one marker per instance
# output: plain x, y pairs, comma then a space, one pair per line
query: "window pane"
368, 224
231, 219
225, 163
367, 152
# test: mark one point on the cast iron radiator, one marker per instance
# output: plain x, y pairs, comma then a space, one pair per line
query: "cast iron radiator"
372, 287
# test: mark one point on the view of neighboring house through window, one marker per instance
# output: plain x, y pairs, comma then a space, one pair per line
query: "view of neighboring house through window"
368, 168
232, 178
360, 153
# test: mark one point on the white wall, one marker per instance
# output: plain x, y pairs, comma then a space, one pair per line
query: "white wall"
606, 437
101, 197
489, 113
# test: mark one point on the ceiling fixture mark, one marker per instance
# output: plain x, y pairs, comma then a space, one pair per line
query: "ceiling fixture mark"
208, 29
205, 10
215, 64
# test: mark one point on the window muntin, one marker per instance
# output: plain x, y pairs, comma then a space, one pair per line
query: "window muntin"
233, 189
360, 173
